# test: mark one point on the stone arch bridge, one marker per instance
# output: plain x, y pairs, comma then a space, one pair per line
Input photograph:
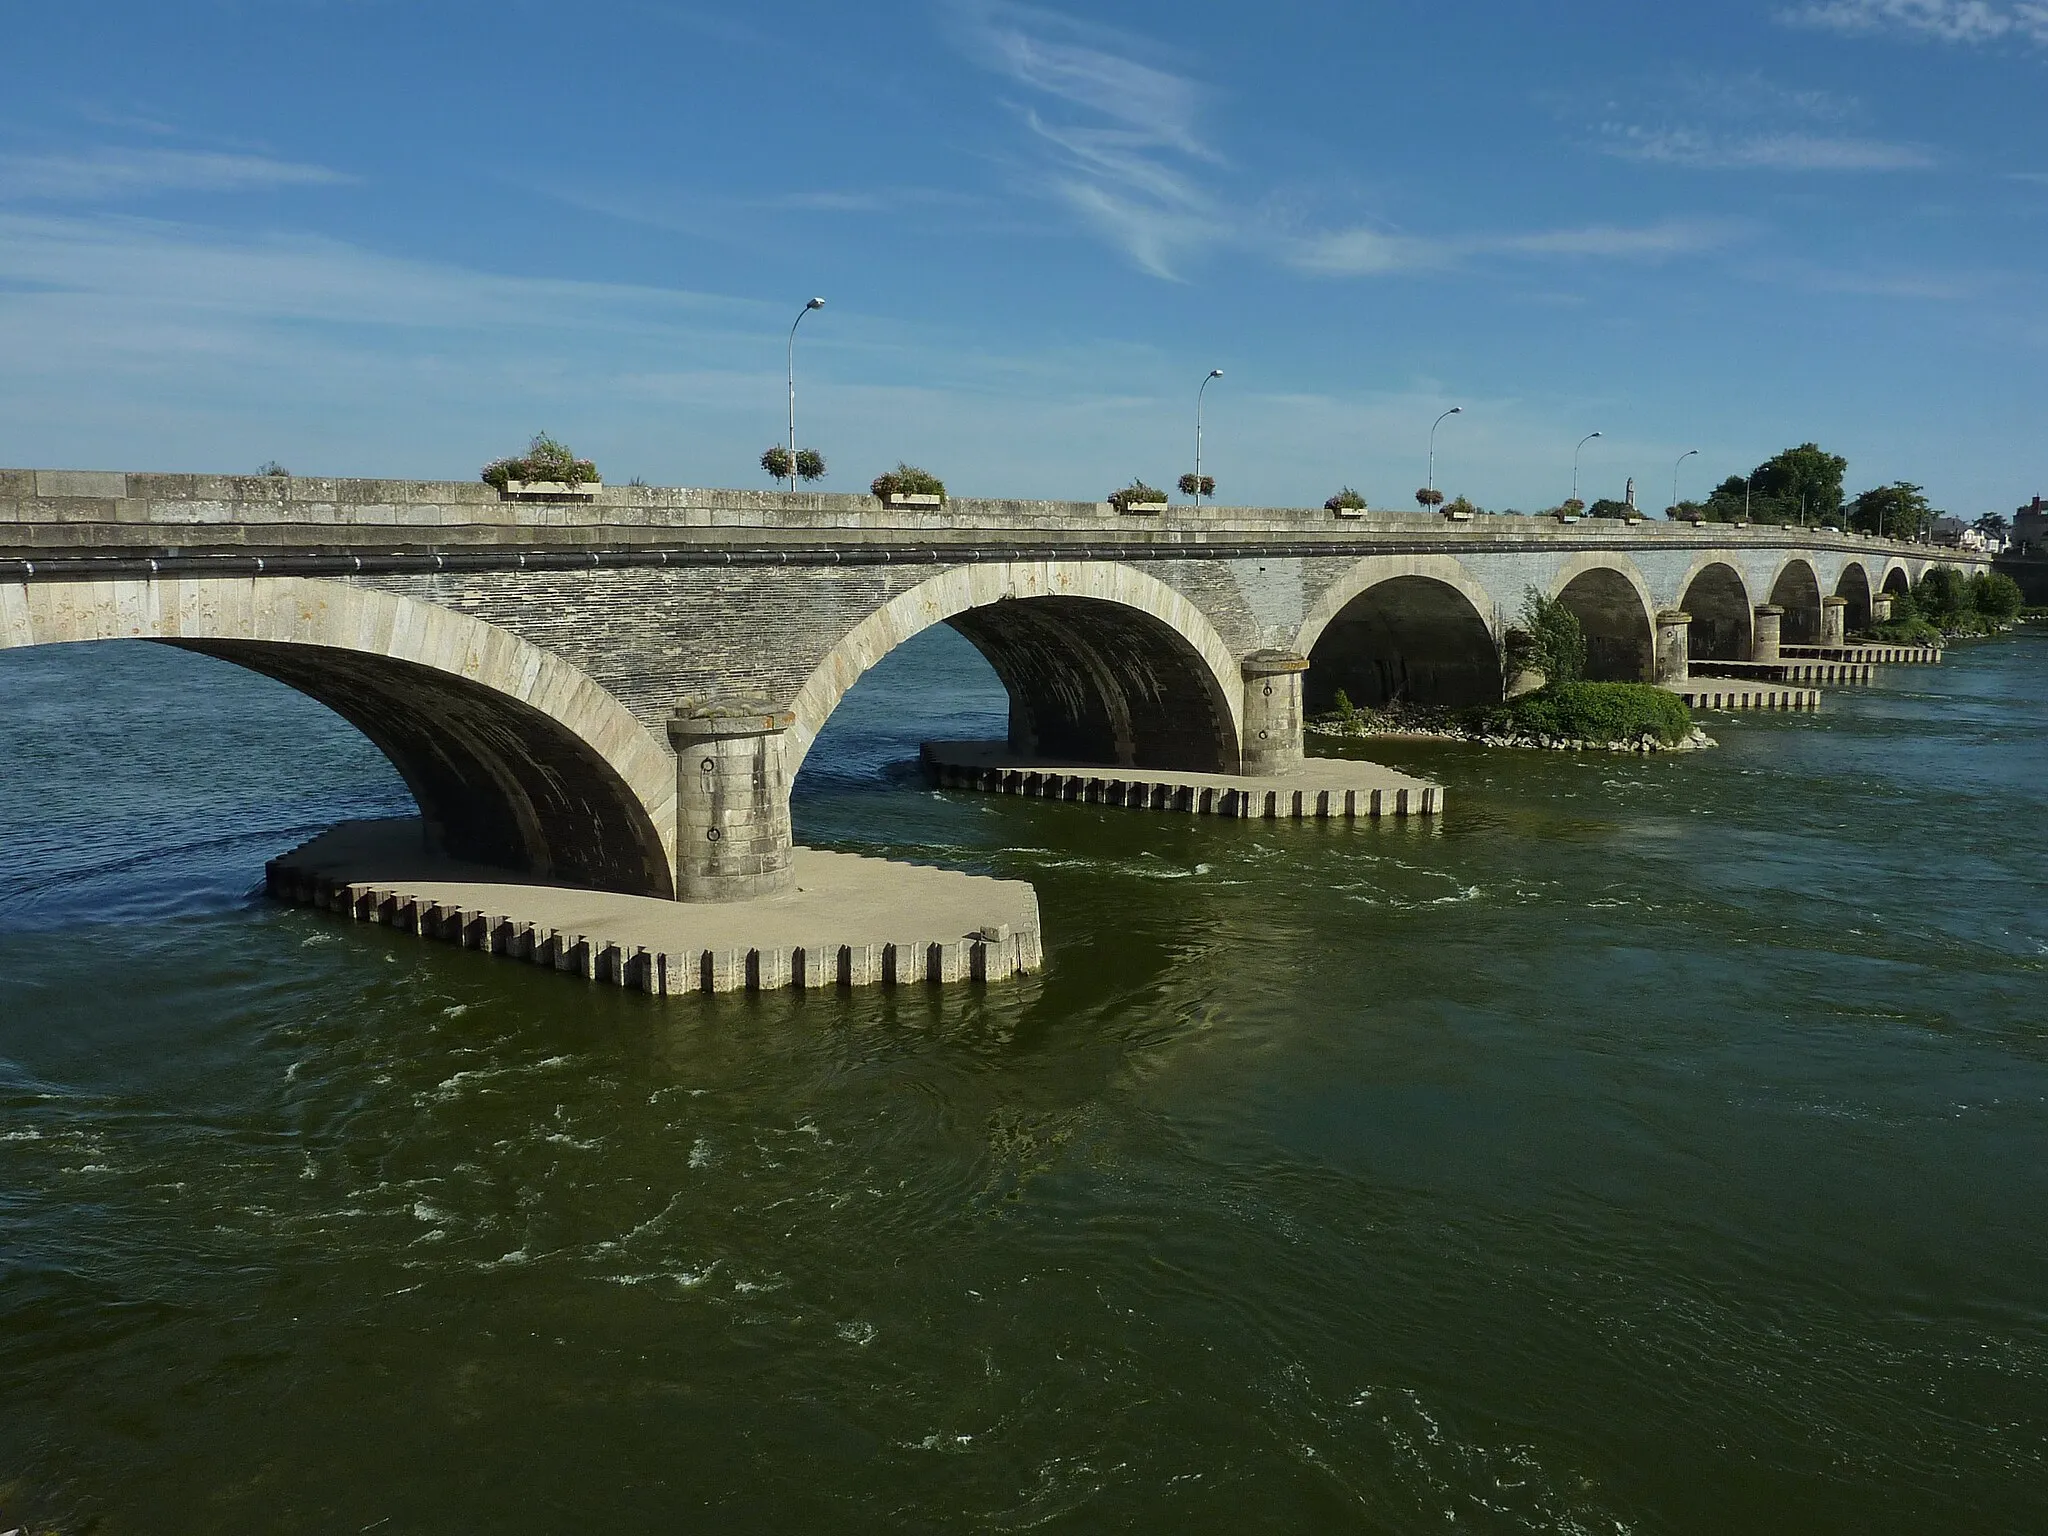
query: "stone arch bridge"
616, 688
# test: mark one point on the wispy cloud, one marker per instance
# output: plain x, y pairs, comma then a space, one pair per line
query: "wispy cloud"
1950, 21
1366, 252
1705, 149
104, 175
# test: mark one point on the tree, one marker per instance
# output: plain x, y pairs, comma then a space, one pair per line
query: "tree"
1729, 502
1943, 593
1557, 645
1607, 506
1996, 595
1802, 484
1897, 511
1687, 512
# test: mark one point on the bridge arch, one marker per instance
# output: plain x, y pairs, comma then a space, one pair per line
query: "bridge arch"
1796, 589
1897, 579
516, 758
1722, 614
1854, 589
1616, 612
1410, 627
1102, 662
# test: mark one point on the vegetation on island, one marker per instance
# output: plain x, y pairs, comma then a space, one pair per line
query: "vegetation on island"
1947, 605
809, 464
1136, 494
907, 480
545, 460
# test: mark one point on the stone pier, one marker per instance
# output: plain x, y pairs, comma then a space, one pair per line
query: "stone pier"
1834, 621
1768, 634
1272, 712
1674, 647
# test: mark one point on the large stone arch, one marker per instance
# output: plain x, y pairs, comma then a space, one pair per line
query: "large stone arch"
1796, 589
516, 757
1411, 627
1103, 663
1723, 615
1853, 588
1616, 612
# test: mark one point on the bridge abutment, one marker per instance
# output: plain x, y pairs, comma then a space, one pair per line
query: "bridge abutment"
733, 838
1272, 712
1767, 637
1674, 647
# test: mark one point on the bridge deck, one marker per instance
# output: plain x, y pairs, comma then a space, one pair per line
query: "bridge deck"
852, 921
1323, 788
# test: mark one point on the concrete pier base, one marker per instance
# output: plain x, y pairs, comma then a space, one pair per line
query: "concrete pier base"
1715, 693
1319, 788
848, 921
1788, 669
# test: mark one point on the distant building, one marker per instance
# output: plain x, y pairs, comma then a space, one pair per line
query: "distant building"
1948, 531
1954, 533
2030, 529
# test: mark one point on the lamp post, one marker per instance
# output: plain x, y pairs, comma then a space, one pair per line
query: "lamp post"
1575, 462
1429, 484
814, 304
1745, 494
1214, 373
1674, 477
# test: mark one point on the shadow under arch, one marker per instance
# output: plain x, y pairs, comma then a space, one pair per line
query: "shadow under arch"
1797, 591
1854, 589
1414, 638
516, 758
1615, 614
1897, 581
1721, 611
1102, 663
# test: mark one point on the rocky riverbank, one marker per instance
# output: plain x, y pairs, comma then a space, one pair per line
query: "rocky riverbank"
1415, 722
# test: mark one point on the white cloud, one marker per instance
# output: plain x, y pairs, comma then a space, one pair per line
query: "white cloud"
1365, 252
1951, 21
1705, 149
102, 175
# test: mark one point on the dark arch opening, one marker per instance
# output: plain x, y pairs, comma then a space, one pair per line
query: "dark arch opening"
497, 781
1798, 593
1410, 638
1854, 589
1092, 681
1897, 582
1721, 614
1620, 644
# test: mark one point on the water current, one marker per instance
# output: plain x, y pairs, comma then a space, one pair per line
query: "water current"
1655, 1146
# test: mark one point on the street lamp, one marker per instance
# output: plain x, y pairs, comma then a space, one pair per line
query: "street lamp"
814, 304
1745, 494
1430, 483
1214, 373
1575, 462
1674, 476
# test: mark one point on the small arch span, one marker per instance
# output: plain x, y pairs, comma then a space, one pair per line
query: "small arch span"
516, 758
1102, 663
1797, 591
1615, 613
1412, 638
1897, 582
1854, 589
1721, 611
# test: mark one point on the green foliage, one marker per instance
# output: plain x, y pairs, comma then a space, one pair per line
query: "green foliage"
776, 462
544, 460
1598, 712
1572, 507
274, 470
1346, 500
1607, 506
1429, 498
908, 480
1556, 643
810, 464
1137, 493
1996, 595
1460, 507
1346, 710
1688, 511
1204, 486
1898, 511
1942, 594
1802, 484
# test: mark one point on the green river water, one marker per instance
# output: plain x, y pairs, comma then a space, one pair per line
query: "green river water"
1656, 1146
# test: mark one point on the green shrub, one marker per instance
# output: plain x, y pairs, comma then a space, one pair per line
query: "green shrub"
1942, 594
1346, 710
1556, 643
1598, 712
1460, 507
1996, 595
1137, 493
1913, 631
908, 480
1346, 500
544, 459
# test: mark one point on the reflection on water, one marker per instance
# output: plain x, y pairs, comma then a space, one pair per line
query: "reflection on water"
1657, 1145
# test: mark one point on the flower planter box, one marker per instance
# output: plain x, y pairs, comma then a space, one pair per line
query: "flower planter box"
1567, 517
1348, 512
1457, 517
1630, 522
555, 489
907, 499
1144, 508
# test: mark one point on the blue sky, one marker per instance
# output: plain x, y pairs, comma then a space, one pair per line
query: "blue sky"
371, 238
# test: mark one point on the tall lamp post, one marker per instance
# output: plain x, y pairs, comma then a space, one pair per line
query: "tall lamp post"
814, 304
1690, 452
1214, 373
1429, 484
1575, 462
1745, 494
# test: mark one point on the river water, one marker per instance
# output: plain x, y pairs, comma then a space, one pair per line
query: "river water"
1654, 1146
